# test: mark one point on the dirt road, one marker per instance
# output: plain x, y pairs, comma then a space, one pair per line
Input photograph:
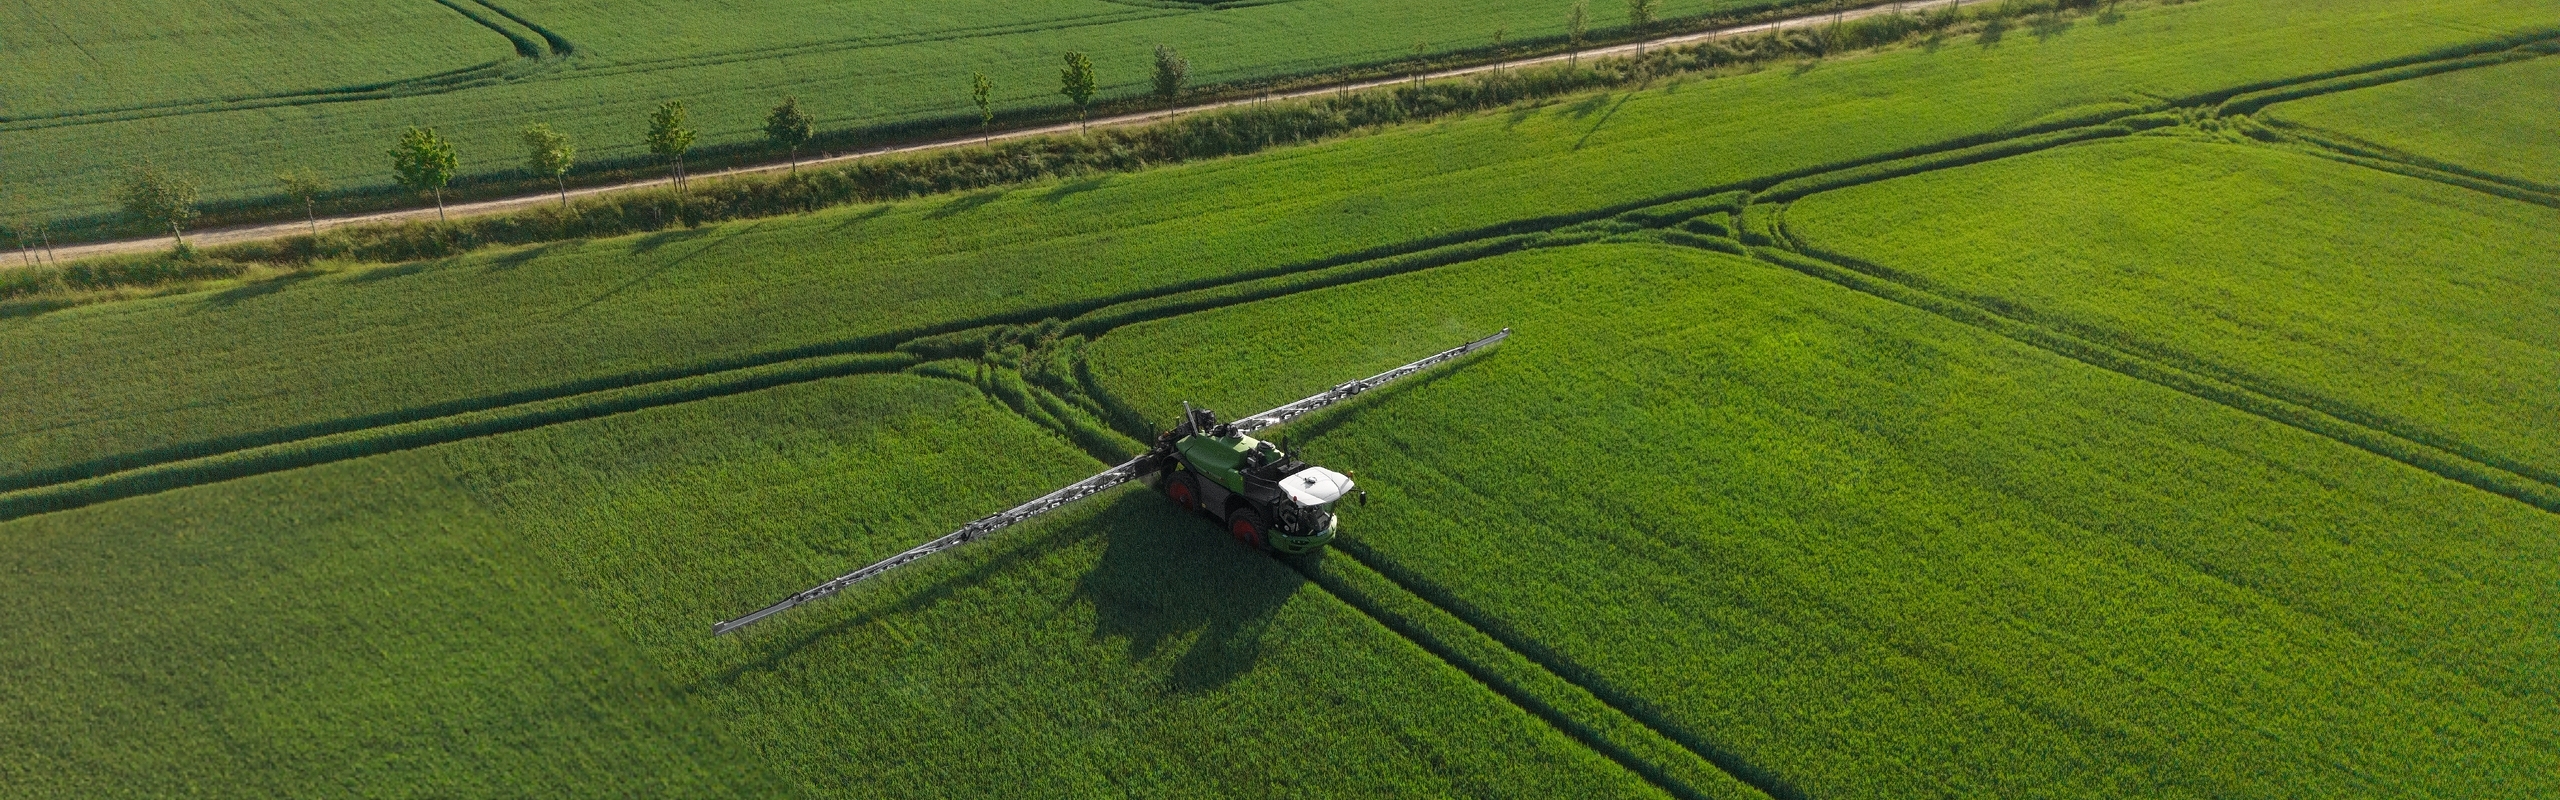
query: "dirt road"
282, 229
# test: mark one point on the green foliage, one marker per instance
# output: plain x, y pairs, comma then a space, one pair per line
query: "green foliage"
1577, 25
304, 186
981, 92
1171, 71
788, 127
549, 152
158, 197
670, 135
1869, 551
424, 162
1076, 81
1642, 13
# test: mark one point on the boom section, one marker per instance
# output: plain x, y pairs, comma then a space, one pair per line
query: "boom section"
1355, 388
971, 532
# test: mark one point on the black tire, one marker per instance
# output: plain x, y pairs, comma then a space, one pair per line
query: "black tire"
1248, 529
1184, 491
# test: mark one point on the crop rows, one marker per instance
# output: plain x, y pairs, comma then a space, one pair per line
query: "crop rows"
501, 328
1779, 538
1782, 517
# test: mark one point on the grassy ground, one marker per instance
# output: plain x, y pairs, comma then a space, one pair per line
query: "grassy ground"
2485, 120
852, 64
1877, 553
529, 614
97, 57
1707, 526
192, 372
2422, 307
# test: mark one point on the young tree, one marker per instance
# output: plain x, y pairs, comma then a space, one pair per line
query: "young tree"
790, 127
158, 197
1640, 14
307, 186
1577, 23
424, 162
670, 137
1171, 70
982, 91
1076, 82
1419, 48
549, 153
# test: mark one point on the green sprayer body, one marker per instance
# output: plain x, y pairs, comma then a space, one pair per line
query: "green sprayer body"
1264, 497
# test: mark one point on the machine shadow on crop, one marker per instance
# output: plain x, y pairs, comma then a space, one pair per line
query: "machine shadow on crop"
1166, 576
1162, 576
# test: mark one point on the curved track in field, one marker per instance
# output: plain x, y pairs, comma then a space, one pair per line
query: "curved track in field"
529, 62
1758, 212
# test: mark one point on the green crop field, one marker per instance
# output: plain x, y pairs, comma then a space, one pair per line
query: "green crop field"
527, 615
2412, 305
117, 81
2067, 412
1886, 555
2494, 121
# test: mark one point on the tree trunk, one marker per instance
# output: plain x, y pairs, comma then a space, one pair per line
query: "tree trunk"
795, 161
562, 181
311, 213
174, 233
44, 235
440, 205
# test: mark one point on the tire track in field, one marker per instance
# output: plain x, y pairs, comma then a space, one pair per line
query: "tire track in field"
529, 63
2347, 149
1657, 217
2236, 393
1531, 677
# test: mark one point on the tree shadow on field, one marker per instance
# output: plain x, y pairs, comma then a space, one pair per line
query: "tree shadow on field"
1073, 188
259, 288
964, 204
508, 261
1167, 576
730, 234
1589, 106
650, 243
2047, 26
1604, 120
856, 219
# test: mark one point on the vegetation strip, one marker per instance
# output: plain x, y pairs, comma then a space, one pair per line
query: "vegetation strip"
1863, 27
